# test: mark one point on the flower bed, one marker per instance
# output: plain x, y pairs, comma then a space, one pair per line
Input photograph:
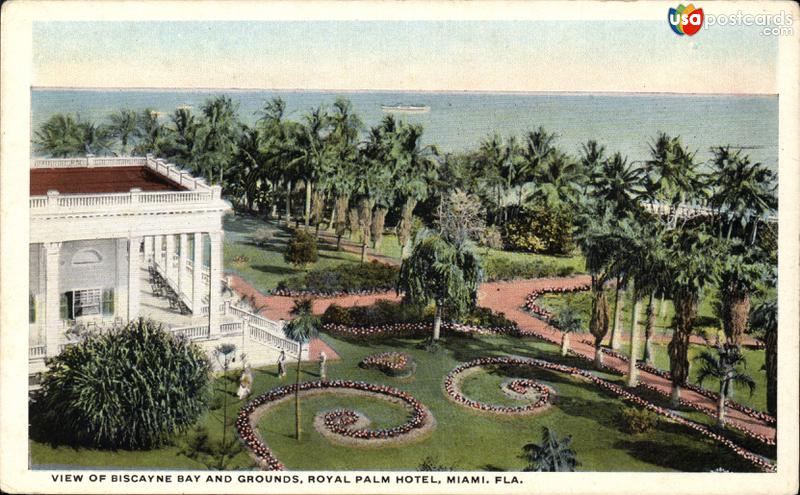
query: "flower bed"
397, 364
328, 294
530, 301
615, 389
521, 387
410, 330
339, 423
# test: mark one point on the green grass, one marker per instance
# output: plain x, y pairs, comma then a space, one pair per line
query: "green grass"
755, 358
265, 267
580, 410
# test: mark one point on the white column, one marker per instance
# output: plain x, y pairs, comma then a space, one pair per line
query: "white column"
148, 249
52, 319
197, 274
158, 244
183, 246
121, 284
169, 268
133, 277
215, 282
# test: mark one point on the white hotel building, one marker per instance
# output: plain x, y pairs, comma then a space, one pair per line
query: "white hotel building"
113, 239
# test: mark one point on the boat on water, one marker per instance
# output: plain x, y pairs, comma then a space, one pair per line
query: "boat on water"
405, 108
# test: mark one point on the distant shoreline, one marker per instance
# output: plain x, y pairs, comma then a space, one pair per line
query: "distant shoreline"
394, 91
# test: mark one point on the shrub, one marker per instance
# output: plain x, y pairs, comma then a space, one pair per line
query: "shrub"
262, 237
541, 229
129, 388
301, 249
240, 259
634, 420
345, 277
385, 312
491, 237
507, 268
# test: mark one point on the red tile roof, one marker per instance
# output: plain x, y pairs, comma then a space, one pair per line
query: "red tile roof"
84, 180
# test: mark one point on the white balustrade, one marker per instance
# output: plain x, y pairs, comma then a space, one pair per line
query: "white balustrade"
37, 351
192, 332
233, 328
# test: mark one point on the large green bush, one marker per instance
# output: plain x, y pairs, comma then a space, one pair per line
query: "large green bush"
506, 268
541, 229
385, 312
301, 248
129, 388
345, 277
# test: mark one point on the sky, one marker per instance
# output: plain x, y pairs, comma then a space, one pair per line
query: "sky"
571, 56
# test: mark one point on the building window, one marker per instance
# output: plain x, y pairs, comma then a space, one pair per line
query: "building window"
108, 302
87, 257
66, 312
86, 302
31, 309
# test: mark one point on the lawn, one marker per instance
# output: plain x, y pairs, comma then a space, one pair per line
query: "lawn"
264, 266
707, 325
580, 410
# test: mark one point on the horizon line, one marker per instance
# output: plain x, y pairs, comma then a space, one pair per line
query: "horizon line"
344, 90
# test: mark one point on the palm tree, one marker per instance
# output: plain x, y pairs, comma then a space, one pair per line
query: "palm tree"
724, 367
445, 273
301, 329
599, 243
558, 180
60, 136
183, 138
151, 135
568, 320
691, 264
552, 455
416, 169
671, 176
765, 319
618, 183
123, 127
743, 192
218, 136
744, 268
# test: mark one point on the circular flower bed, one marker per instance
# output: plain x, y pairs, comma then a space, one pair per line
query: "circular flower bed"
452, 391
340, 423
521, 388
397, 364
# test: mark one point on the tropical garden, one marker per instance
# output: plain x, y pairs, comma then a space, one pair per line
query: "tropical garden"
638, 271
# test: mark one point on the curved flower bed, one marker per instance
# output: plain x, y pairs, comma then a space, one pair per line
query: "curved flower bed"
397, 364
530, 300
340, 423
753, 413
521, 387
756, 460
411, 330
329, 294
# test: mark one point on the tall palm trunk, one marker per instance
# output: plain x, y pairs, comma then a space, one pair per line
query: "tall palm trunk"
662, 307
564, 343
288, 203
632, 371
685, 313
649, 329
437, 321
618, 301
297, 394
721, 407
771, 367
598, 324
308, 204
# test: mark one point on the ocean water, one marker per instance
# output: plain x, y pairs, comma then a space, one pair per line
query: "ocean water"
459, 121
